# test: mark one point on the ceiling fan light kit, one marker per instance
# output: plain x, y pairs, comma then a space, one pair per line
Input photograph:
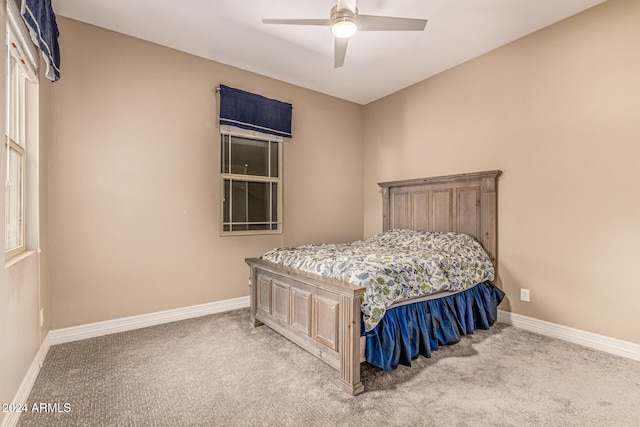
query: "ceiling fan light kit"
343, 22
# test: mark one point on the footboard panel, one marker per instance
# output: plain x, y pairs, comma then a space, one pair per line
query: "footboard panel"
301, 313
320, 315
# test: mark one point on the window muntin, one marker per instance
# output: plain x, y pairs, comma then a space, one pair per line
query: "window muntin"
251, 183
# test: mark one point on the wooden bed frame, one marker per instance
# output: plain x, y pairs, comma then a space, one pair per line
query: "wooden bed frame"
322, 315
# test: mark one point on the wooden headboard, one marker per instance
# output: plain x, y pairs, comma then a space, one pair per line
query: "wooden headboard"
465, 203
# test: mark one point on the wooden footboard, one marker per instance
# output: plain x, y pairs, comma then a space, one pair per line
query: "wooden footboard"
320, 315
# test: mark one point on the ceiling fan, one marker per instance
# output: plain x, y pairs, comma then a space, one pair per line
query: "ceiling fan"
344, 21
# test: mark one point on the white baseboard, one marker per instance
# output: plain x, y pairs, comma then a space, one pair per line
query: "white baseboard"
91, 330
11, 418
576, 336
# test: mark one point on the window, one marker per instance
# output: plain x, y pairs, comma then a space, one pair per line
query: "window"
21, 105
251, 182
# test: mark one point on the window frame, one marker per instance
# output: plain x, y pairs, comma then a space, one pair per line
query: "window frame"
21, 83
15, 141
231, 132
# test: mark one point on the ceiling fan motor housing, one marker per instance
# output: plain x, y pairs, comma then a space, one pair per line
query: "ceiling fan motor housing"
343, 22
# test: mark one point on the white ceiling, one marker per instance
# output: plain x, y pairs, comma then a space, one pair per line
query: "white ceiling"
377, 63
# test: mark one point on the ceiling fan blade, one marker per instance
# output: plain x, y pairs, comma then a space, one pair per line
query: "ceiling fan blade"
387, 23
297, 21
340, 51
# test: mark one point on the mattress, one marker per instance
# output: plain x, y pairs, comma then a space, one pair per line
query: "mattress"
394, 266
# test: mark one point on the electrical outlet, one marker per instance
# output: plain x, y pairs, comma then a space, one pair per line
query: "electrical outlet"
41, 317
524, 295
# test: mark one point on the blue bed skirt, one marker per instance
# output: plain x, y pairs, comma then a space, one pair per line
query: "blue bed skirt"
417, 329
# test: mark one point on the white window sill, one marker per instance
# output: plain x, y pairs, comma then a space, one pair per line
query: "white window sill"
18, 258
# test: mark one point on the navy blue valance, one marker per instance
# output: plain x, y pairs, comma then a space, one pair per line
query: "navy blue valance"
249, 111
43, 28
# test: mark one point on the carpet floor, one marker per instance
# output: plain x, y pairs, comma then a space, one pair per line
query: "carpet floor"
217, 370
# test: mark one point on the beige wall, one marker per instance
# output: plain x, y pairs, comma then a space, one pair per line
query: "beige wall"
134, 202
558, 112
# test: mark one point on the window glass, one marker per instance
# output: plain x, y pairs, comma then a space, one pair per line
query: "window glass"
14, 232
244, 156
274, 159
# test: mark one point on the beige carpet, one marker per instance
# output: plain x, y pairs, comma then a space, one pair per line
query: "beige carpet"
219, 371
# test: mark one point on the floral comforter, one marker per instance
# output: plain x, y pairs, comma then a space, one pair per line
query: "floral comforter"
394, 266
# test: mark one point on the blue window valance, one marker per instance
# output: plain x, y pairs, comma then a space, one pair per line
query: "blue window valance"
249, 111
43, 28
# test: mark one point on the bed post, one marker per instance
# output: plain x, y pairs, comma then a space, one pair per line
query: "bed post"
489, 217
253, 285
350, 344
386, 220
